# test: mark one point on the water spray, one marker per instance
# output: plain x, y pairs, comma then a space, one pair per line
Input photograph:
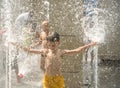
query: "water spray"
93, 31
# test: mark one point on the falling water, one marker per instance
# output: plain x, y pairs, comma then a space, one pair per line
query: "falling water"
8, 27
27, 67
11, 51
66, 16
94, 30
47, 4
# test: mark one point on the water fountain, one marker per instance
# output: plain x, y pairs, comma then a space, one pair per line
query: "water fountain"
94, 30
65, 18
7, 26
26, 65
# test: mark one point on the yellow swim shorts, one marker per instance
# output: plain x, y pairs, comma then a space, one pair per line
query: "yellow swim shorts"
53, 81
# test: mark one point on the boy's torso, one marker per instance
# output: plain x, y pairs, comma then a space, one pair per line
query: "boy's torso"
43, 36
53, 62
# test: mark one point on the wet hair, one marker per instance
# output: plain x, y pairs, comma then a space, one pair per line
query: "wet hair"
45, 22
53, 37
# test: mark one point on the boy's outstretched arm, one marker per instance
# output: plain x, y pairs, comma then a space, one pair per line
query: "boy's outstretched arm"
35, 44
28, 49
32, 50
77, 50
35, 51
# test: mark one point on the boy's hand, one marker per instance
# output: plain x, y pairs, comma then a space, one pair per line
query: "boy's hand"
26, 49
93, 43
31, 46
13, 43
20, 46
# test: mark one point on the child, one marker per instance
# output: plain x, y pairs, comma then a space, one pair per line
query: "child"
53, 77
45, 32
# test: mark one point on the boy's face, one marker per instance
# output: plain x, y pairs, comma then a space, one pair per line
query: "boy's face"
45, 26
52, 45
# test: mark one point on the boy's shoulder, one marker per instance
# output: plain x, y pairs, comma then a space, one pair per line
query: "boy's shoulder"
60, 51
45, 51
42, 33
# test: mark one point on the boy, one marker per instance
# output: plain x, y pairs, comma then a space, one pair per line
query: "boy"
53, 77
45, 32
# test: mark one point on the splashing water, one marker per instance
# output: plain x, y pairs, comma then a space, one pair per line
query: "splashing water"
26, 65
94, 29
93, 26
26, 62
29, 63
46, 3
8, 26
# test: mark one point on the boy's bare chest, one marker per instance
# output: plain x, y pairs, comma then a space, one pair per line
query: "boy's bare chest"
53, 57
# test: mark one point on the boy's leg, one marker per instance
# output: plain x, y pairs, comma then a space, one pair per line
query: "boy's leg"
16, 72
16, 67
42, 63
86, 54
92, 56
